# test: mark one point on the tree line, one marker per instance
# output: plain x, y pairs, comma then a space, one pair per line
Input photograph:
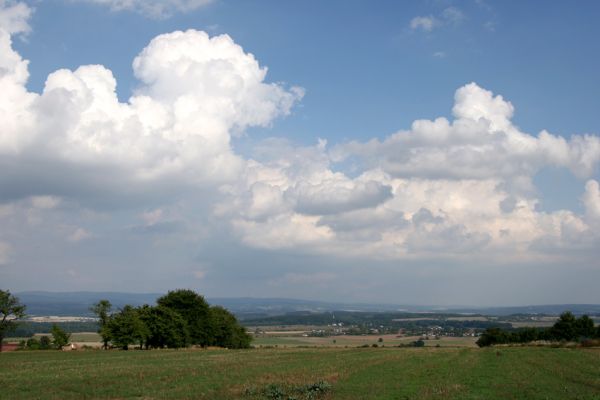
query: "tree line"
568, 328
181, 318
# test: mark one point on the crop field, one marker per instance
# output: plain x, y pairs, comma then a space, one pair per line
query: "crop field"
345, 373
358, 340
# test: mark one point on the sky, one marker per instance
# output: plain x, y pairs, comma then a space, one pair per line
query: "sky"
437, 152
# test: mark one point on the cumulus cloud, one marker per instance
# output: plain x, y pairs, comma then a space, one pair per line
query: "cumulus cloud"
441, 188
195, 93
153, 8
166, 163
14, 17
481, 143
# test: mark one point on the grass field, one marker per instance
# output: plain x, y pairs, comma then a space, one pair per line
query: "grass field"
382, 373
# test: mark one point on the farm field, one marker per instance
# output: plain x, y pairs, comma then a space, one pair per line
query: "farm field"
357, 340
369, 373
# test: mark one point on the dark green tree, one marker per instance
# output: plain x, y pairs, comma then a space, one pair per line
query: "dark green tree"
102, 310
60, 338
194, 310
226, 331
126, 328
166, 327
565, 328
45, 343
585, 327
493, 336
11, 310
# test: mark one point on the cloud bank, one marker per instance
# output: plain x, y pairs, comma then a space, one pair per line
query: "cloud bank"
83, 168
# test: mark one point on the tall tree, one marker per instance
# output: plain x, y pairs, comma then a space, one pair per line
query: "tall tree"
102, 310
585, 327
194, 310
166, 327
60, 338
126, 327
226, 331
11, 310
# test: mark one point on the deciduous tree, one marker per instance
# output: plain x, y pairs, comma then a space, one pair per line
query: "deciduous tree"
102, 310
60, 338
11, 310
194, 310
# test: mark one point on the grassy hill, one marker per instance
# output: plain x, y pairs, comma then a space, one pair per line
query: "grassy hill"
373, 373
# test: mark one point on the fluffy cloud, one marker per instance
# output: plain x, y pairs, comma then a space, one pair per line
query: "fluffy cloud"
425, 23
481, 143
448, 189
153, 8
195, 93
14, 17
444, 188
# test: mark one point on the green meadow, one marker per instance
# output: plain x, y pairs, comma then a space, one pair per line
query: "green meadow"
350, 373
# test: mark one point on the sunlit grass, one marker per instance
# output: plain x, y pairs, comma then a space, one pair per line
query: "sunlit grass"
373, 373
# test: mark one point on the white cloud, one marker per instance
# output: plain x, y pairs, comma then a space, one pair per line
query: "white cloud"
450, 16
472, 176
452, 189
591, 200
14, 17
79, 235
481, 143
153, 8
196, 93
427, 23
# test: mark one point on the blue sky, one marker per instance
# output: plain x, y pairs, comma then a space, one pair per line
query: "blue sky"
365, 61
441, 200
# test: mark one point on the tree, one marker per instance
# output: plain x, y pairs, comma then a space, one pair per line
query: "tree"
166, 327
565, 328
194, 310
60, 338
11, 310
585, 327
45, 343
493, 336
102, 311
126, 327
226, 331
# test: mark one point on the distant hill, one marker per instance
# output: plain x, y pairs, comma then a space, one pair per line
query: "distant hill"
78, 304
